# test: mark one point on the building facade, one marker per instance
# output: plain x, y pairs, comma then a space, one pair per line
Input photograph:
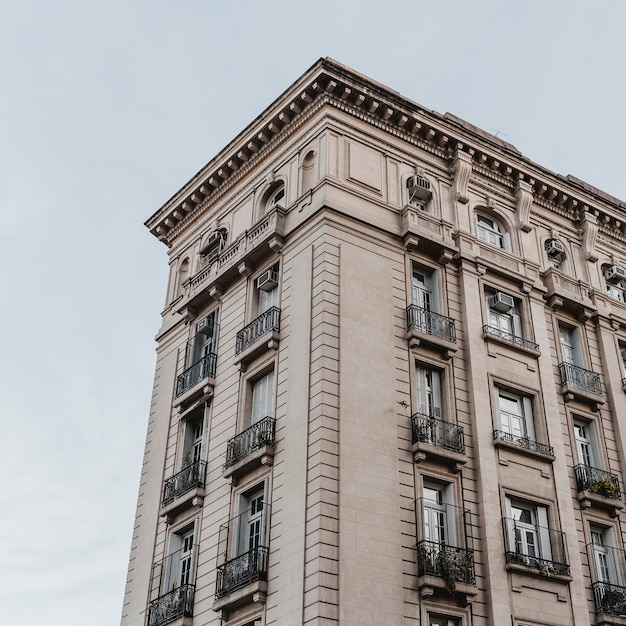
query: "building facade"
389, 379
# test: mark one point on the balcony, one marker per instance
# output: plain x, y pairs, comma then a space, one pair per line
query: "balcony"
523, 443
422, 229
187, 383
250, 449
241, 575
445, 566
437, 439
186, 488
610, 599
492, 333
578, 383
250, 247
598, 487
543, 554
172, 606
568, 293
259, 335
430, 328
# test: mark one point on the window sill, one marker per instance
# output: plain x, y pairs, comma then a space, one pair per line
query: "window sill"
607, 619
418, 338
533, 571
536, 454
428, 585
423, 451
262, 456
254, 593
193, 498
576, 393
491, 338
588, 499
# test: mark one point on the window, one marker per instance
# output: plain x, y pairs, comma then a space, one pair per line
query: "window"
181, 278
267, 289
615, 282
492, 232
622, 354
516, 417
213, 245
192, 445
424, 288
429, 392
570, 345
503, 313
586, 445
419, 193
204, 341
262, 398
604, 555
437, 527
276, 198
442, 620
555, 251
180, 561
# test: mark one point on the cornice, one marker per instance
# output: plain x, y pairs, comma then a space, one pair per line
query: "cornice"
328, 83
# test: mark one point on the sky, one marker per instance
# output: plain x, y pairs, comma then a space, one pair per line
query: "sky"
106, 109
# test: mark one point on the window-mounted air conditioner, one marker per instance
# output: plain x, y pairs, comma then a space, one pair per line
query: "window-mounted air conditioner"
554, 248
615, 274
214, 243
501, 302
205, 326
267, 280
419, 189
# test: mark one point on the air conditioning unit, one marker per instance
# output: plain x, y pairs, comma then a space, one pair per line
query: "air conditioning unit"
205, 326
267, 280
214, 243
615, 274
501, 302
554, 248
419, 189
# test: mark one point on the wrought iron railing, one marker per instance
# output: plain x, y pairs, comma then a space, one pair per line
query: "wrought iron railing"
241, 571
598, 481
172, 605
578, 377
266, 322
609, 598
536, 546
188, 478
251, 439
510, 338
430, 323
454, 565
204, 368
427, 429
523, 441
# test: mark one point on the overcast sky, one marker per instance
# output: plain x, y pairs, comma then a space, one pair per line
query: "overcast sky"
106, 109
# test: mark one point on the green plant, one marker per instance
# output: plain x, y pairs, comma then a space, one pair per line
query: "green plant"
604, 487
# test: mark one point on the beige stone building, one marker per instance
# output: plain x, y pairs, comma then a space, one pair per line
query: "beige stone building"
389, 379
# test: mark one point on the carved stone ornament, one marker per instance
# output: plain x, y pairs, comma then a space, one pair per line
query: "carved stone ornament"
462, 168
590, 232
524, 196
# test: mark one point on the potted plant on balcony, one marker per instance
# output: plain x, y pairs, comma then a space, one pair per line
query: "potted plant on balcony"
604, 486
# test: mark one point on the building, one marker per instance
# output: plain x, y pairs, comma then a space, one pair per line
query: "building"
389, 379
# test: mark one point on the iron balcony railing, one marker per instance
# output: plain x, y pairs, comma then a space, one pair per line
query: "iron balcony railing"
597, 481
266, 323
172, 605
454, 565
251, 439
510, 338
427, 429
535, 546
523, 441
580, 378
609, 598
204, 368
188, 478
241, 571
430, 323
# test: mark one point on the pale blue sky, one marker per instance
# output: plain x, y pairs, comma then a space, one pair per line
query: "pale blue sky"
106, 109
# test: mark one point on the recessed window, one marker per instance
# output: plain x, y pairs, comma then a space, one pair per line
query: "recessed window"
571, 350
615, 282
442, 620
491, 231
419, 193
515, 415
276, 198
555, 251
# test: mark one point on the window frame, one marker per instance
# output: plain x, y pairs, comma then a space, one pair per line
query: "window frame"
494, 233
526, 414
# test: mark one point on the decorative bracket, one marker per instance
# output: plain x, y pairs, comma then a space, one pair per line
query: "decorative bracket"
524, 196
462, 168
590, 233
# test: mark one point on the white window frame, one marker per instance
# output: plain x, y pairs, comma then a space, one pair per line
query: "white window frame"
437, 498
193, 440
424, 288
266, 299
276, 198
492, 232
262, 397
201, 343
517, 420
603, 554
428, 391
180, 562
570, 345
437, 619
622, 354
537, 529
252, 522
424, 205
586, 442
509, 322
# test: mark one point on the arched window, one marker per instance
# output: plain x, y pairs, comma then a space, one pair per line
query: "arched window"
491, 231
214, 244
275, 198
615, 281
308, 171
555, 251
183, 273
419, 193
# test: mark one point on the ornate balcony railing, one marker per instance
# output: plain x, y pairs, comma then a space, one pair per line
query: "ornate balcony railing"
172, 605
241, 571
427, 429
609, 598
184, 481
580, 378
266, 323
204, 368
454, 565
536, 546
251, 439
597, 481
510, 338
523, 442
430, 323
